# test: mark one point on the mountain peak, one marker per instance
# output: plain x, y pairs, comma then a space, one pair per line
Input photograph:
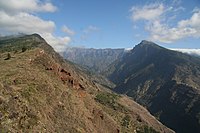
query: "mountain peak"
36, 35
144, 44
147, 43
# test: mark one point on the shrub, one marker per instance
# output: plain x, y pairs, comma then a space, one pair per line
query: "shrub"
110, 100
8, 56
147, 129
106, 98
125, 121
24, 49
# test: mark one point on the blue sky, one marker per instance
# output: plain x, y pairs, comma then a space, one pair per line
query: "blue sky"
105, 23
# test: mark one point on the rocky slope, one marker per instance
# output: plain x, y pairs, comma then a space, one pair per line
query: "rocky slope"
40, 92
96, 60
165, 81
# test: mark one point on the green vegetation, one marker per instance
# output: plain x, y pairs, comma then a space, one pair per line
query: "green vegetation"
126, 121
110, 100
106, 98
18, 44
147, 129
24, 49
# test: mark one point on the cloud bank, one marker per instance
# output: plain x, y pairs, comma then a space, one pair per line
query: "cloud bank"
157, 16
19, 17
195, 52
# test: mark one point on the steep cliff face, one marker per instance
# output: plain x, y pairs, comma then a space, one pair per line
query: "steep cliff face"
41, 92
96, 60
165, 81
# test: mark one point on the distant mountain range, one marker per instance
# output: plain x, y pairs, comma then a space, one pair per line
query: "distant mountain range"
42, 92
95, 60
165, 81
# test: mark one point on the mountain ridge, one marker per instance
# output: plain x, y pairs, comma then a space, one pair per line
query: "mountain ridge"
162, 80
95, 60
41, 92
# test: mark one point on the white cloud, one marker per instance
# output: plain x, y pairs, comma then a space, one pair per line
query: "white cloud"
128, 49
18, 17
185, 28
157, 18
195, 52
25, 23
147, 12
68, 30
58, 43
163, 33
13, 6
90, 29
193, 22
196, 9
